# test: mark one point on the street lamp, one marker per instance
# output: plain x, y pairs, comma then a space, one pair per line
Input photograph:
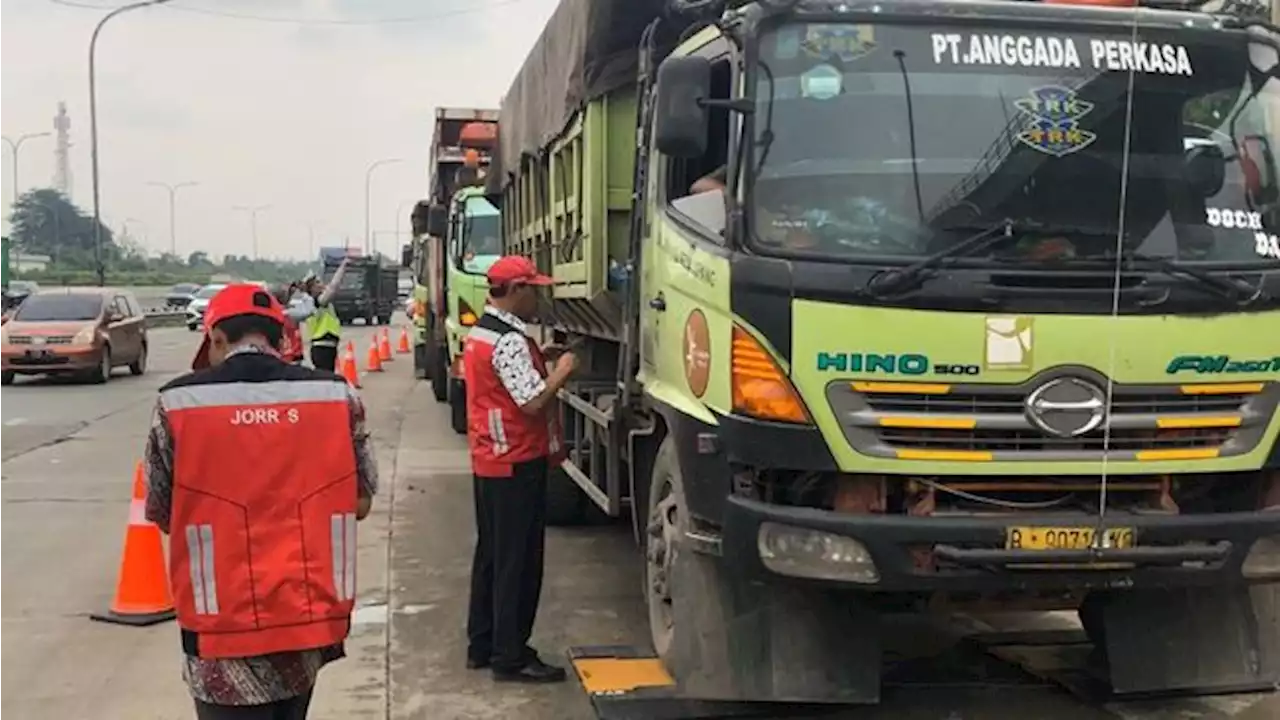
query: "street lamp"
93, 128
253, 211
135, 221
14, 147
173, 223
368, 179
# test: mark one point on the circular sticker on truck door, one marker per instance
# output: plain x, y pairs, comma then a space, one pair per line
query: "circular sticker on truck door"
697, 353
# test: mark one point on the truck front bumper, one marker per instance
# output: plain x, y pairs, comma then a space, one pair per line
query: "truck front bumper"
910, 553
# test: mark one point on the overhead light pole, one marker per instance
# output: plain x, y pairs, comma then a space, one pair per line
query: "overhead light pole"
93, 129
253, 211
173, 204
368, 181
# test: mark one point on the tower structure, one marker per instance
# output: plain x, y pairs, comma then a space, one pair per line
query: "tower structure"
61, 151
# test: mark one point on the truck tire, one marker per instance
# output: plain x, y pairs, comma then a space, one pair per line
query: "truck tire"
384, 320
806, 645
567, 505
439, 373
458, 407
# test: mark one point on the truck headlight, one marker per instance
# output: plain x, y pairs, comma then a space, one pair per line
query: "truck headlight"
799, 552
1263, 560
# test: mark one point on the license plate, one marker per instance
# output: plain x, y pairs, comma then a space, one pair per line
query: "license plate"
38, 354
1064, 538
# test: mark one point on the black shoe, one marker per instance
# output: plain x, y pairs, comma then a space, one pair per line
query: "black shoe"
535, 671
477, 663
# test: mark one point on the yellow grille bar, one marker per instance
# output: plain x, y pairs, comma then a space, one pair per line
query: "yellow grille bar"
1222, 389
1184, 454
945, 455
902, 388
929, 423
1187, 423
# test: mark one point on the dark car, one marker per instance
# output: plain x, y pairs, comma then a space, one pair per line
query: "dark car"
180, 295
86, 333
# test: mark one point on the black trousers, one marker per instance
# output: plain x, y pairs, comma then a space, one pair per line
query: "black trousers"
295, 708
506, 573
324, 357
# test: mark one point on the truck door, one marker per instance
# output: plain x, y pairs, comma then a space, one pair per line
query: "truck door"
686, 313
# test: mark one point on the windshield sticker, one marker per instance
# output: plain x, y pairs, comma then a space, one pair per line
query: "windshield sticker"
821, 83
1233, 219
1008, 343
1053, 113
847, 42
1267, 246
1059, 52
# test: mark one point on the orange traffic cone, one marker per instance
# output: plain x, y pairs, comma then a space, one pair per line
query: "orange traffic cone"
384, 346
402, 347
142, 589
349, 365
374, 363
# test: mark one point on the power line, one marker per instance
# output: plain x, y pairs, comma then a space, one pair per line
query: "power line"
309, 21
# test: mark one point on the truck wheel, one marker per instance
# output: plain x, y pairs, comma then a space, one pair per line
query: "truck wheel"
806, 645
439, 374
457, 407
566, 503
384, 320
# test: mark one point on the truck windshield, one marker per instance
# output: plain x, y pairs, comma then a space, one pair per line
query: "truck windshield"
883, 143
480, 237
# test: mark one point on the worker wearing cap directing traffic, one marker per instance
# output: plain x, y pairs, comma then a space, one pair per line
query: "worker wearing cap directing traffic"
258, 470
323, 326
514, 440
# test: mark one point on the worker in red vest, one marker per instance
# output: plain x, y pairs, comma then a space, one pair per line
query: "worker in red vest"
515, 440
258, 470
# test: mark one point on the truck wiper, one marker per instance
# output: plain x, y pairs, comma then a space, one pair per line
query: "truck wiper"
888, 282
1240, 293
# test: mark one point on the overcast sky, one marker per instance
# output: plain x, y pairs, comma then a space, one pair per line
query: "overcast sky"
286, 114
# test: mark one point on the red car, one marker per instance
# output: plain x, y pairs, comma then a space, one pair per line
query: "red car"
81, 332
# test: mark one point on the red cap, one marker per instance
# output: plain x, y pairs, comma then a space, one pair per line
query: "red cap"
233, 300
516, 270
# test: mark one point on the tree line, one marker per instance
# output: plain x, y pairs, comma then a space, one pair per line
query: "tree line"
45, 222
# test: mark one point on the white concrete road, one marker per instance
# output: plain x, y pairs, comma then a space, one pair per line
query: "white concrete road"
69, 452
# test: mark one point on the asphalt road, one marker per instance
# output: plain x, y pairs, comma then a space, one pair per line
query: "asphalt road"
69, 453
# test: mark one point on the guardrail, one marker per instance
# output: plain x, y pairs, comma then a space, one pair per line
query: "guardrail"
165, 317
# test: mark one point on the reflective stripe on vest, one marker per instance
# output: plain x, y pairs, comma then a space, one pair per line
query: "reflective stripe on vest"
498, 432
324, 322
263, 553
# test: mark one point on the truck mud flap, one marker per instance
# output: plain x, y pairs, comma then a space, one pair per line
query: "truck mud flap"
627, 683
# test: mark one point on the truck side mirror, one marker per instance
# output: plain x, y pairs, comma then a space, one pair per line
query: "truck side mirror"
1206, 169
406, 255
681, 120
418, 218
438, 221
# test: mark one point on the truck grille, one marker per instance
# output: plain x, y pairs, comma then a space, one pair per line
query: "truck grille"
997, 422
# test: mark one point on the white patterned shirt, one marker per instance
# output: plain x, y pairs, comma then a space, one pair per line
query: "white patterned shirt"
513, 362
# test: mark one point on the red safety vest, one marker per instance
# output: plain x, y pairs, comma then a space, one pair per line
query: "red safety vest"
291, 342
263, 524
499, 434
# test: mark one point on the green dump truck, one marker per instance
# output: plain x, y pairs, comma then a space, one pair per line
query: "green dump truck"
432, 258
891, 306
472, 230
